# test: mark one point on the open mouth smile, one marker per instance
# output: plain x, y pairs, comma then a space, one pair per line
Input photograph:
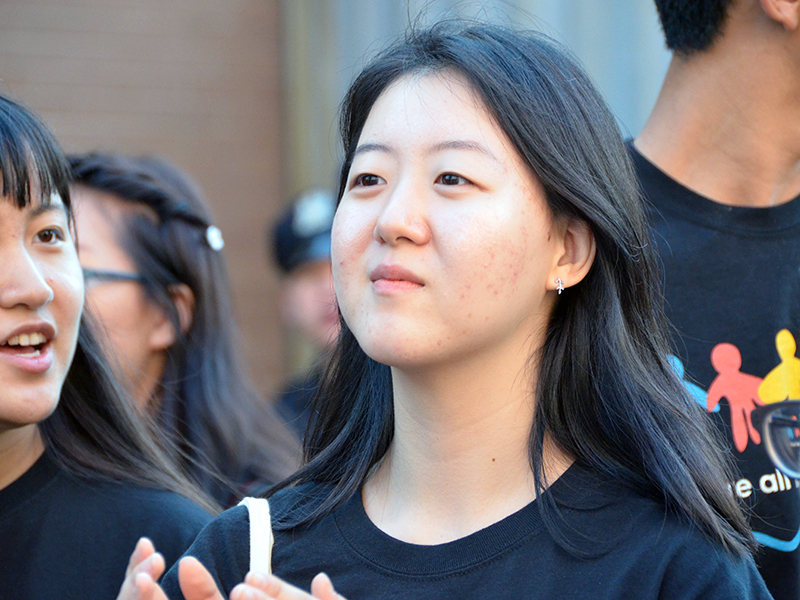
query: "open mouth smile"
30, 351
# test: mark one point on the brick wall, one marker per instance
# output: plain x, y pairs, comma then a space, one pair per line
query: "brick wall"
196, 81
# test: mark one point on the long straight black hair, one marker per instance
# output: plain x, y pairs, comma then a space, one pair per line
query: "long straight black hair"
94, 431
229, 435
605, 392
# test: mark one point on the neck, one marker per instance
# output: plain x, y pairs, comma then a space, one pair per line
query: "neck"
459, 460
726, 121
20, 448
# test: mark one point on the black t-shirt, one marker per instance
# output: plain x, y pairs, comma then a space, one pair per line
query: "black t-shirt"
67, 538
631, 548
731, 283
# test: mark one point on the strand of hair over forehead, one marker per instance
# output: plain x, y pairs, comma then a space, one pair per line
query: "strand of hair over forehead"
30, 157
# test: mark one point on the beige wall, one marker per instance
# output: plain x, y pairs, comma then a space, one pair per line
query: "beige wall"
197, 81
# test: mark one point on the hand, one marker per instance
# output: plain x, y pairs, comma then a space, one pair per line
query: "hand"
144, 568
268, 587
147, 565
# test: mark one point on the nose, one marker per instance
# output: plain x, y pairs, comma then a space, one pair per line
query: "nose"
403, 216
22, 282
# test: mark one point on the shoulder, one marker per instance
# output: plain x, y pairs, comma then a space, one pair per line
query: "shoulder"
223, 546
648, 542
169, 519
700, 568
139, 503
89, 528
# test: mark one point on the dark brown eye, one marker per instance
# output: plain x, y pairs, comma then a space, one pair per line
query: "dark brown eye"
49, 236
451, 179
367, 180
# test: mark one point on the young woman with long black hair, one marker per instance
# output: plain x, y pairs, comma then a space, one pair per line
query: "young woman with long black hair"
500, 419
80, 473
158, 283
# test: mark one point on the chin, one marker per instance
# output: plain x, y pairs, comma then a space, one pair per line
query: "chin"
397, 342
401, 356
33, 410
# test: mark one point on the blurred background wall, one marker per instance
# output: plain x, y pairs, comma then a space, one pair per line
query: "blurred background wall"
243, 95
619, 42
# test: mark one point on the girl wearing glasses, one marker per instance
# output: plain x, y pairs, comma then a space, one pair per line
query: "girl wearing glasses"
500, 419
158, 283
80, 475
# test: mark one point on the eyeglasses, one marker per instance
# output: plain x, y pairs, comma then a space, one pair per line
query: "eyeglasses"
96, 275
779, 425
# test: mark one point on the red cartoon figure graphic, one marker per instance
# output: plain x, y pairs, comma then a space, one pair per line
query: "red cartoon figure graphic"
783, 382
740, 389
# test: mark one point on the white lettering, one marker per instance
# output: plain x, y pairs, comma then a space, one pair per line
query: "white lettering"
744, 488
768, 484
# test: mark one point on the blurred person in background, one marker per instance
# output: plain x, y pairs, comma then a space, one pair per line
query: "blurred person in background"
301, 247
719, 161
81, 475
157, 280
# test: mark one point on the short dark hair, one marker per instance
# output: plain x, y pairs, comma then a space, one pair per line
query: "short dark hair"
94, 431
206, 403
692, 25
605, 393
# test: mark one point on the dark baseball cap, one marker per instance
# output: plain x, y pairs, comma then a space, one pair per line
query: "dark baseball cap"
302, 234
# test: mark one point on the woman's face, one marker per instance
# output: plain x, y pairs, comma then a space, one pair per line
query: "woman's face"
127, 316
41, 297
443, 245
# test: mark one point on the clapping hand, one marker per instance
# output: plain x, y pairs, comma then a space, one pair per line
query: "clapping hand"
146, 566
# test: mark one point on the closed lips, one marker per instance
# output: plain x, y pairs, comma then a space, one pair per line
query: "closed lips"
395, 273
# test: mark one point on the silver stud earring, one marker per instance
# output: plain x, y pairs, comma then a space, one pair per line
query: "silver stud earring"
559, 286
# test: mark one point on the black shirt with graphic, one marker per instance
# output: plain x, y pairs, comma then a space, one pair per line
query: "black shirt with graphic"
732, 290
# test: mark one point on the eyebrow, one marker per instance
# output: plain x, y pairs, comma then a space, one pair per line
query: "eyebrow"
371, 148
440, 147
464, 145
45, 208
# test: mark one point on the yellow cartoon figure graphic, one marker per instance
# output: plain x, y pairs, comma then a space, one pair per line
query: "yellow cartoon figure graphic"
783, 382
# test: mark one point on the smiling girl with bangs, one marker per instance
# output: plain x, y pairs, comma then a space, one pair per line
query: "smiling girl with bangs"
80, 475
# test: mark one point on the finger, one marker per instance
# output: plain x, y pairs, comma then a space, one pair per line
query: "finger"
145, 588
143, 549
272, 587
149, 569
322, 588
196, 582
244, 591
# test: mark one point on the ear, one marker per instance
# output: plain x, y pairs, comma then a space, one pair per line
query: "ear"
163, 334
183, 299
785, 12
576, 256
